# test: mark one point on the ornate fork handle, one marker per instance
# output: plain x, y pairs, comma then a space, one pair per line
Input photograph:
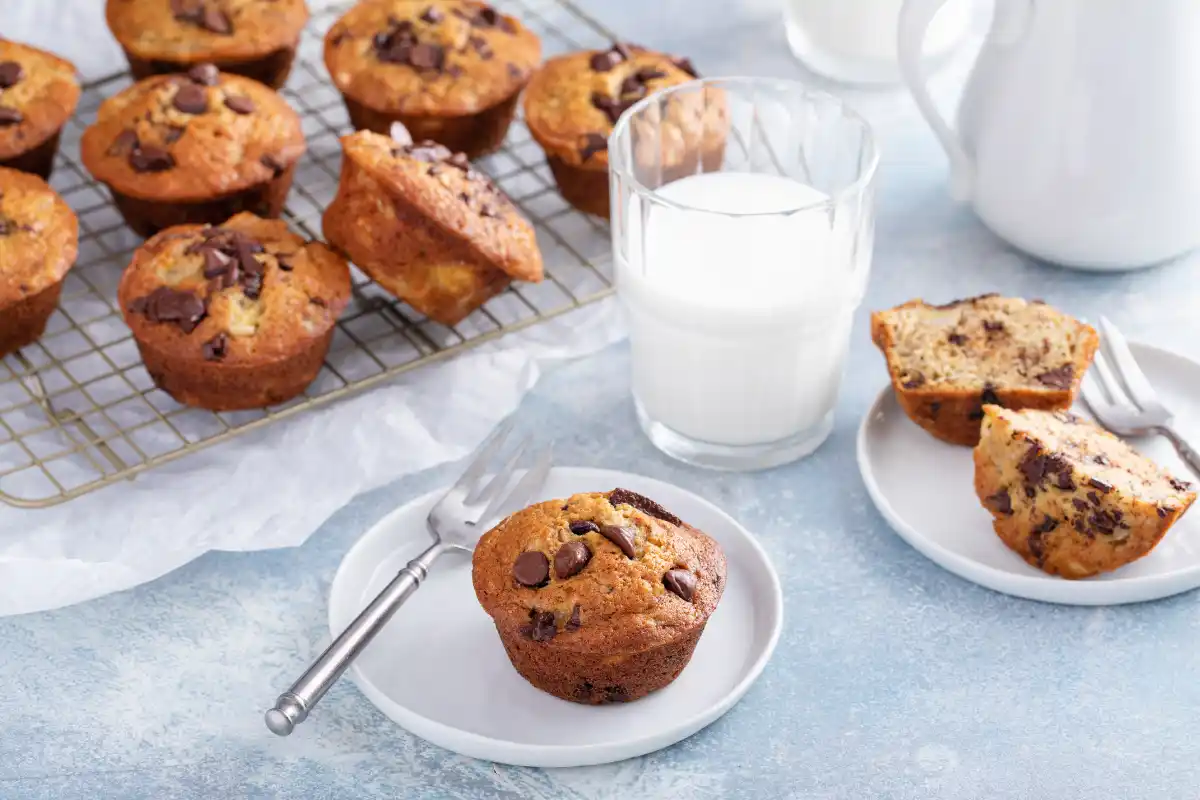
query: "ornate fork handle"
1189, 454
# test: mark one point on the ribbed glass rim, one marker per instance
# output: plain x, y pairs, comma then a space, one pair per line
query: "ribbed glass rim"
856, 187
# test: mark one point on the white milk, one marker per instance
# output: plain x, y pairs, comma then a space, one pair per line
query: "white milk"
857, 39
739, 325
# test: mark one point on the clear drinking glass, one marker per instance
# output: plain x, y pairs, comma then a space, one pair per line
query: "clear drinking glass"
742, 223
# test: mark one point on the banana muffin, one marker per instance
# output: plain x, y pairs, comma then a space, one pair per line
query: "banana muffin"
598, 598
573, 102
427, 227
38, 94
1070, 498
194, 148
39, 238
236, 316
255, 38
449, 70
947, 361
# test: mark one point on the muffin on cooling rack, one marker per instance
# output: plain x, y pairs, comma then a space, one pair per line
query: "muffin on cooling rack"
599, 598
39, 238
449, 70
255, 38
235, 316
573, 102
38, 94
194, 148
427, 227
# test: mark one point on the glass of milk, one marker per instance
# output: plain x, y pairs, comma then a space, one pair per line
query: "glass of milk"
742, 224
855, 41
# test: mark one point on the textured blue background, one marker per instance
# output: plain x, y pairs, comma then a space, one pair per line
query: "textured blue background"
893, 679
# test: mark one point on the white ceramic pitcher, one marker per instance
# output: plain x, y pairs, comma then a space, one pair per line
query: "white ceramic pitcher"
1079, 130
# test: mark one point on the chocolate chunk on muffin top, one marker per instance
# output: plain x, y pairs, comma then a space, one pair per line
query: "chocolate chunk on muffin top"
192, 31
448, 57
192, 137
599, 571
243, 292
38, 93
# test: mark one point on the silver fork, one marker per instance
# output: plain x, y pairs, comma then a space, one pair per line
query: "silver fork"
456, 522
1127, 405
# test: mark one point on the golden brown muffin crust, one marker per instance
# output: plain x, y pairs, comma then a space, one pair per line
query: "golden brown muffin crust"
39, 236
443, 188
429, 57
614, 604
195, 31
573, 101
146, 145
38, 93
304, 287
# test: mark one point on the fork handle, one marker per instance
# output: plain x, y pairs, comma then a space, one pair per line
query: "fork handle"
1188, 453
294, 705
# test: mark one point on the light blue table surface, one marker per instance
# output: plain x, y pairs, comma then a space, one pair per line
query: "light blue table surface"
893, 678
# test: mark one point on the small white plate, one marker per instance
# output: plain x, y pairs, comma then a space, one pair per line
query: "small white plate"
925, 490
439, 670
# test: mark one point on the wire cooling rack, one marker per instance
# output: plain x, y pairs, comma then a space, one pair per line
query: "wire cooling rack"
78, 410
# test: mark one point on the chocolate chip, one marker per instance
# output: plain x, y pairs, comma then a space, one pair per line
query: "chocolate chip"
592, 143
1079, 504
1037, 546
1102, 485
1103, 521
915, 382
10, 74
1178, 485
1101, 459
125, 143
685, 64
432, 15
541, 626
1030, 492
187, 10
205, 74
1002, 502
191, 99
605, 60
1033, 465
570, 559
1065, 481
642, 503
1162, 512
150, 159
531, 569
217, 263
272, 163
935, 408
454, 70
172, 134
681, 583
216, 348
613, 109
573, 624
988, 396
10, 116
582, 526
623, 537
1047, 525
487, 17
992, 326
1094, 498
1059, 378
285, 261
957, 338
165, 304
215, 20
480, 46
239, 105
1079, 524
427, 56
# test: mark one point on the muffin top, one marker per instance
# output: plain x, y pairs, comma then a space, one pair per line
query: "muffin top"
38, 93
574, 100
443, 187
245, 292
610, 572
194, 31
39, 236
430, 57
192, 137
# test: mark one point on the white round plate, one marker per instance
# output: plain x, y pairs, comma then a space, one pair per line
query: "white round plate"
439, 670
925, 490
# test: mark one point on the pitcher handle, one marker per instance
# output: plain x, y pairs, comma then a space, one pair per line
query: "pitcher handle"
915, 17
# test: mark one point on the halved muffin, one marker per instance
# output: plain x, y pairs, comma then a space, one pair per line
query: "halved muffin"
947, 361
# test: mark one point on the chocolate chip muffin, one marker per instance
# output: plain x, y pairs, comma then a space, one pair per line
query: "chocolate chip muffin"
194, 148
1070, 498
449, 70
427, 227
236, 316
38, 94
255, 38
39, 238
947, 361
574, 101
599, 598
